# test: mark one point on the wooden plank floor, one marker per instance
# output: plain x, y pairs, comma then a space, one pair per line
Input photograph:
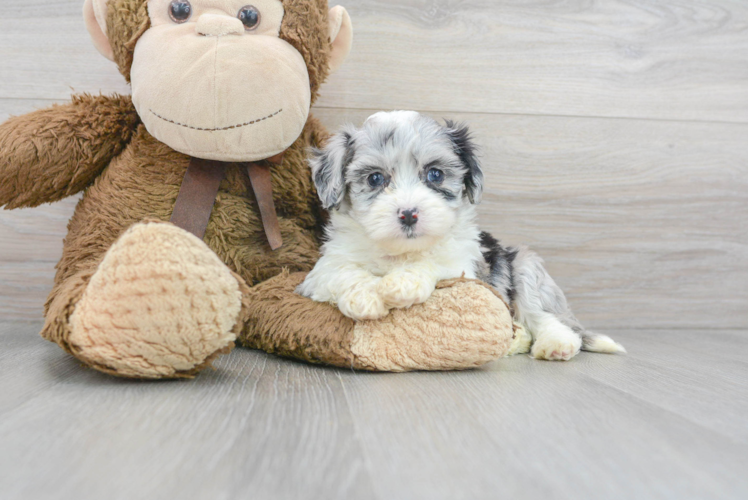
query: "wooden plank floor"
666, 421
613, 135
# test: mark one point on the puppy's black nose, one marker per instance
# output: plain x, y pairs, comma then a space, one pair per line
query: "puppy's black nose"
409, 218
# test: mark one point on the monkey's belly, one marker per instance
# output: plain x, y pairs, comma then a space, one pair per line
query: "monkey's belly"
235, 231
236, 234
143, 183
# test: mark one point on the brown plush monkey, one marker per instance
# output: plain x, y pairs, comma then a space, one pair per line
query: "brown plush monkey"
218, 86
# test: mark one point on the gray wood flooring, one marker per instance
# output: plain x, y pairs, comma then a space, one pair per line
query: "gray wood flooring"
666, 421
613, 136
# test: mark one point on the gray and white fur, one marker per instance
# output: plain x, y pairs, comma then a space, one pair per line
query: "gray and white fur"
402, 192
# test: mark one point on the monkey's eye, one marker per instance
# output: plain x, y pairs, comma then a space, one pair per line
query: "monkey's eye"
435, 176
180, 11
250, 17
375, 180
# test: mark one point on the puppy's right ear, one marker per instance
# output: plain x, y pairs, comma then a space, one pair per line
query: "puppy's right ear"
464, 147
329, 167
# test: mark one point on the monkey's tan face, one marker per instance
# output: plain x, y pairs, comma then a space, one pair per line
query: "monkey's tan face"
212, 79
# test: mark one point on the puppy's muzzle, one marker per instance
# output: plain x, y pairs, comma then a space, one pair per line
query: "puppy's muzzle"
408, 218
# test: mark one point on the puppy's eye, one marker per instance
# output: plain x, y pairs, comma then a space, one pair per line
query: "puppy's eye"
375, 180
435, 176
250, 17
180, 11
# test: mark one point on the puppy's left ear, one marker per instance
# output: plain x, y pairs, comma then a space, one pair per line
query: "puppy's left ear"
465, 148
329, 166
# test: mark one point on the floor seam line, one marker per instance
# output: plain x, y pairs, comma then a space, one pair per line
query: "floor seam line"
357, 437
662, 408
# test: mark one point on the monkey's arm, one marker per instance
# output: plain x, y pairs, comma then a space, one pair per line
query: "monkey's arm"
54, 153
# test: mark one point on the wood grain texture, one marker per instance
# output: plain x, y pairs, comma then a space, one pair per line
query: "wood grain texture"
640, 216
667, 59
30, 241
639, 221
653, 424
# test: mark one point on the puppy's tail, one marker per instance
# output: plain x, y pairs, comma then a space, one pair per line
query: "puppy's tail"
595, 342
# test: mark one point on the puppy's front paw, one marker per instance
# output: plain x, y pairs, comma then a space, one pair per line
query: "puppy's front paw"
363, 303
559, 344
404, 288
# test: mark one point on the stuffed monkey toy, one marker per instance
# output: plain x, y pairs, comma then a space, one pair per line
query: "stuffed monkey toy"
199, 215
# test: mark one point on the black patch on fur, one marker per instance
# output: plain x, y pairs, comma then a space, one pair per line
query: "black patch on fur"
500, 260
466, 150
446, 193
388, 137
365, 171
350, 151
362, 177
323, 178
374, 194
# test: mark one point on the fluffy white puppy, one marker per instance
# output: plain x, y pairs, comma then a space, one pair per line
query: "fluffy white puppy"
402, 192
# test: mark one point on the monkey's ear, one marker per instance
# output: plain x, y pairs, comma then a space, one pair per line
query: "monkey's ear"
329, 167
94, 13
465, 148
341, 36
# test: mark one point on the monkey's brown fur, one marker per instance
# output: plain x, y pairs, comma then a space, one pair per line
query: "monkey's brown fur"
98, 144
55, 153
279, 322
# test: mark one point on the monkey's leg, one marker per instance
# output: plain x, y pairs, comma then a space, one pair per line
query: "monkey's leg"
160, 304
463, 325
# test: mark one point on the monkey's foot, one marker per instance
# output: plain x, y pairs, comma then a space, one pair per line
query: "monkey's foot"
160, 305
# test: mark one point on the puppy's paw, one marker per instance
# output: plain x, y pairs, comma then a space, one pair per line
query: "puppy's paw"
558, 344
363, 303
402, 289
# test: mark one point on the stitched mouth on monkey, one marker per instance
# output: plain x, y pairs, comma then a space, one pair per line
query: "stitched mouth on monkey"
207, 129
225, 98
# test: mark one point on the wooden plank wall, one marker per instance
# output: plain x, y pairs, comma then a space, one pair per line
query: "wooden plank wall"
614, 136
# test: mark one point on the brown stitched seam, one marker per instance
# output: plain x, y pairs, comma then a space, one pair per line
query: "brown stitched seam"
216, 129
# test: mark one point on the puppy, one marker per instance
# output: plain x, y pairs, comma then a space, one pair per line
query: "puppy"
402, 194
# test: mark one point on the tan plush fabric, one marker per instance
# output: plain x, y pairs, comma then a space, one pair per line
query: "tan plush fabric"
227, 119
142, 299
463, 325
94, 15
142, 183
160, 303
248, 95
305, 26
341, 33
